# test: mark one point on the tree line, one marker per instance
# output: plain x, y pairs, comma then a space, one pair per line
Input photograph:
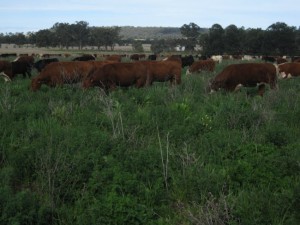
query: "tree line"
277, 39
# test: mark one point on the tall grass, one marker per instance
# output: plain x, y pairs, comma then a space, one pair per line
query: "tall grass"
158, 155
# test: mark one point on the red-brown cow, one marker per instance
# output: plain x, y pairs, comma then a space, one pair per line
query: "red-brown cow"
288, 70
246, 74
109, 76
202, 65
10, 69
162, 71
5, 68
59, 73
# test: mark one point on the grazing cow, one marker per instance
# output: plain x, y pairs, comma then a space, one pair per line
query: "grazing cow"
11, 69
288, 70
84, 58
246, 74
59, 73
39, 65
201, 65
109, 76
162, 71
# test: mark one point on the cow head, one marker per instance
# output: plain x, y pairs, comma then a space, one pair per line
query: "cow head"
36, 84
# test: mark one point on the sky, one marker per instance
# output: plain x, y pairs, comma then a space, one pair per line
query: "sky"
33, 15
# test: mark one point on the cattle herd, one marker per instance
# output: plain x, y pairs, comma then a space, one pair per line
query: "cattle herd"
111, 72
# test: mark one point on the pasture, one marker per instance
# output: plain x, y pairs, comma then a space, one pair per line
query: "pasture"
156, 155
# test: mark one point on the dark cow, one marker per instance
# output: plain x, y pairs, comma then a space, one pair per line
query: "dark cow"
5, 70
280, 60
187, 61
297, 60
29, 59
11, 69
152, 57
271, 59
135, 57
201, 65
246, 74
288, 70
59, 73
109, 76
84, 58
39, 65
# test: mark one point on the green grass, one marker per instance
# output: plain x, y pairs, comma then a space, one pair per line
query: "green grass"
158, 155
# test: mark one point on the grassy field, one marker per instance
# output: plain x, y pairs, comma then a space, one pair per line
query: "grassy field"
158, 155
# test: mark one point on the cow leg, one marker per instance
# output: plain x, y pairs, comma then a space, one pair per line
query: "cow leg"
261, 89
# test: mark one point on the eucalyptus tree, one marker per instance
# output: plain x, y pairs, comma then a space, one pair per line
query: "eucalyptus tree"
280, 39
233, 38
213, 41
44, 38
80, 33
254, 40
191, 33
111, 35
63, 34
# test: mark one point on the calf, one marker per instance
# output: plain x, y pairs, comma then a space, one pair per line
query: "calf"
246, 74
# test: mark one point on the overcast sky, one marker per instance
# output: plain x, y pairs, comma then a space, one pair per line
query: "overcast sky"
33, 15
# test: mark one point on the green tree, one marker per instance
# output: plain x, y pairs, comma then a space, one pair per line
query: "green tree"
137, 46
80, 33
191, 32
62, 34
253, 42
213, 41
44, 38
233, 39
280, 39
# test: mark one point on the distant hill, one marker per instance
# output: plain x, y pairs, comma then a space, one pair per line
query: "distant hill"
131, 32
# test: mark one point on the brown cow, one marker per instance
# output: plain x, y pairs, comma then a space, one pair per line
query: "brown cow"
11, 69
109, 76
59, 73
201, 65
162, 71
246, 74
288, 70
25, 58
5, 68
